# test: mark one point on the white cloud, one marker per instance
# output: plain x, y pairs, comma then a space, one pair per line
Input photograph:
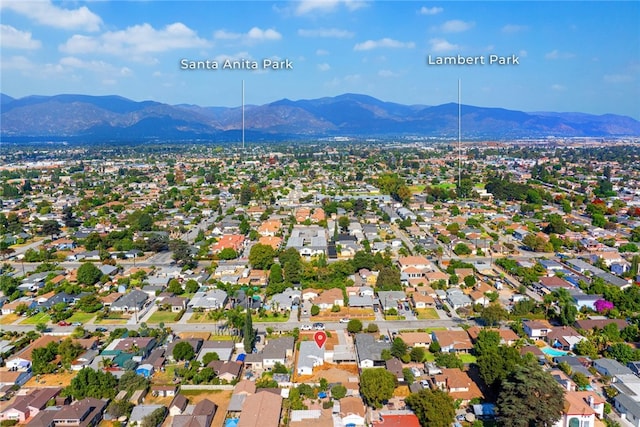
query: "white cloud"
326, 33
253, 35
387, 73
46, 13
456, 26
257, 34
556, 54
11, 37
430, 10
322, 52
386, 42
95, 66
618, 78
324, 6
558, 87
324, 67
136, 40
16, 63
513, 28
441, 45
239, 56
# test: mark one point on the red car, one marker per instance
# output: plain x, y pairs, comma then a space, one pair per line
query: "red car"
63, 323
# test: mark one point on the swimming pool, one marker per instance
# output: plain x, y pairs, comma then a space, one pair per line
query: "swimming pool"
553, 352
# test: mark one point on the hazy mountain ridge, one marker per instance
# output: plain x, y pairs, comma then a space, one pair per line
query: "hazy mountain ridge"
117, 118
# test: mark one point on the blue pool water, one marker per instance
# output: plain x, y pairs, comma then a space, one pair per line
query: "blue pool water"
553, 352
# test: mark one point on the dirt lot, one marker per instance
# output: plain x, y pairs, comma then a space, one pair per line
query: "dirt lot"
186, 335
329, 344
331, 372
62, 379
352, 313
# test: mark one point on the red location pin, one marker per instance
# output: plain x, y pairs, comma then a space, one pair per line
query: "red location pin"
320, 337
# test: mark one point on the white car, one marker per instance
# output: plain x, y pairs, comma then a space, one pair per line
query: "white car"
306, 328
344, 320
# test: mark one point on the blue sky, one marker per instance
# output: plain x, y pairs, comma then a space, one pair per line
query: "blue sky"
573, 56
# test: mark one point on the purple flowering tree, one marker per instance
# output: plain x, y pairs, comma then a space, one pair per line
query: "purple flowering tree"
602, 305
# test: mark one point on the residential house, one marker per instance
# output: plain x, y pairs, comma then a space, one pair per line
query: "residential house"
536, 328
308, 240
581, 408
279, 350
178, 405
229, 241
453, 341
81, 413
458, 299
27, 406
396, 419
369, 350
286, 300
200, 416
395, 366
309, 356
224, 349
261, 409
139, 412
507, 336
611, 368
416, 339
164, 390
225, 370
563, 337
328, 298
352, 411
628, 408
457, 383
213, 299
132, 301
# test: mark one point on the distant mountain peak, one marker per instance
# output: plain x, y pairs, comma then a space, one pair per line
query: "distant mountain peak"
112, 117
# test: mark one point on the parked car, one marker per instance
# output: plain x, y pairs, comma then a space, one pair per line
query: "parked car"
76, 324
318, 326
101, 329
306, 328
63, 323
344, 320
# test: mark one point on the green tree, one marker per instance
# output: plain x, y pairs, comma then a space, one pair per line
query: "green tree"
434, 408
261, 256
462, 249
227, 254
493, 314
398, 348
183, 351
155, 418
50, 228
623, 353
417, 354
88, 274
338, 391
315, 310
354, 326
210, 357
90, 383
377, 386
449, 360
530, 396
249, 333
388, 279
408, 376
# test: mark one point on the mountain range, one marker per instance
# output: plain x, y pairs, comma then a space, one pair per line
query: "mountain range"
114, 118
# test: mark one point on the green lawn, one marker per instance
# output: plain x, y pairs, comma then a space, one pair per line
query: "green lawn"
269, 317
391, 317
81, 317
416, 189
429, 357
221, 338
162, 316
467, 358
427, 313
38, 318
445, 185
